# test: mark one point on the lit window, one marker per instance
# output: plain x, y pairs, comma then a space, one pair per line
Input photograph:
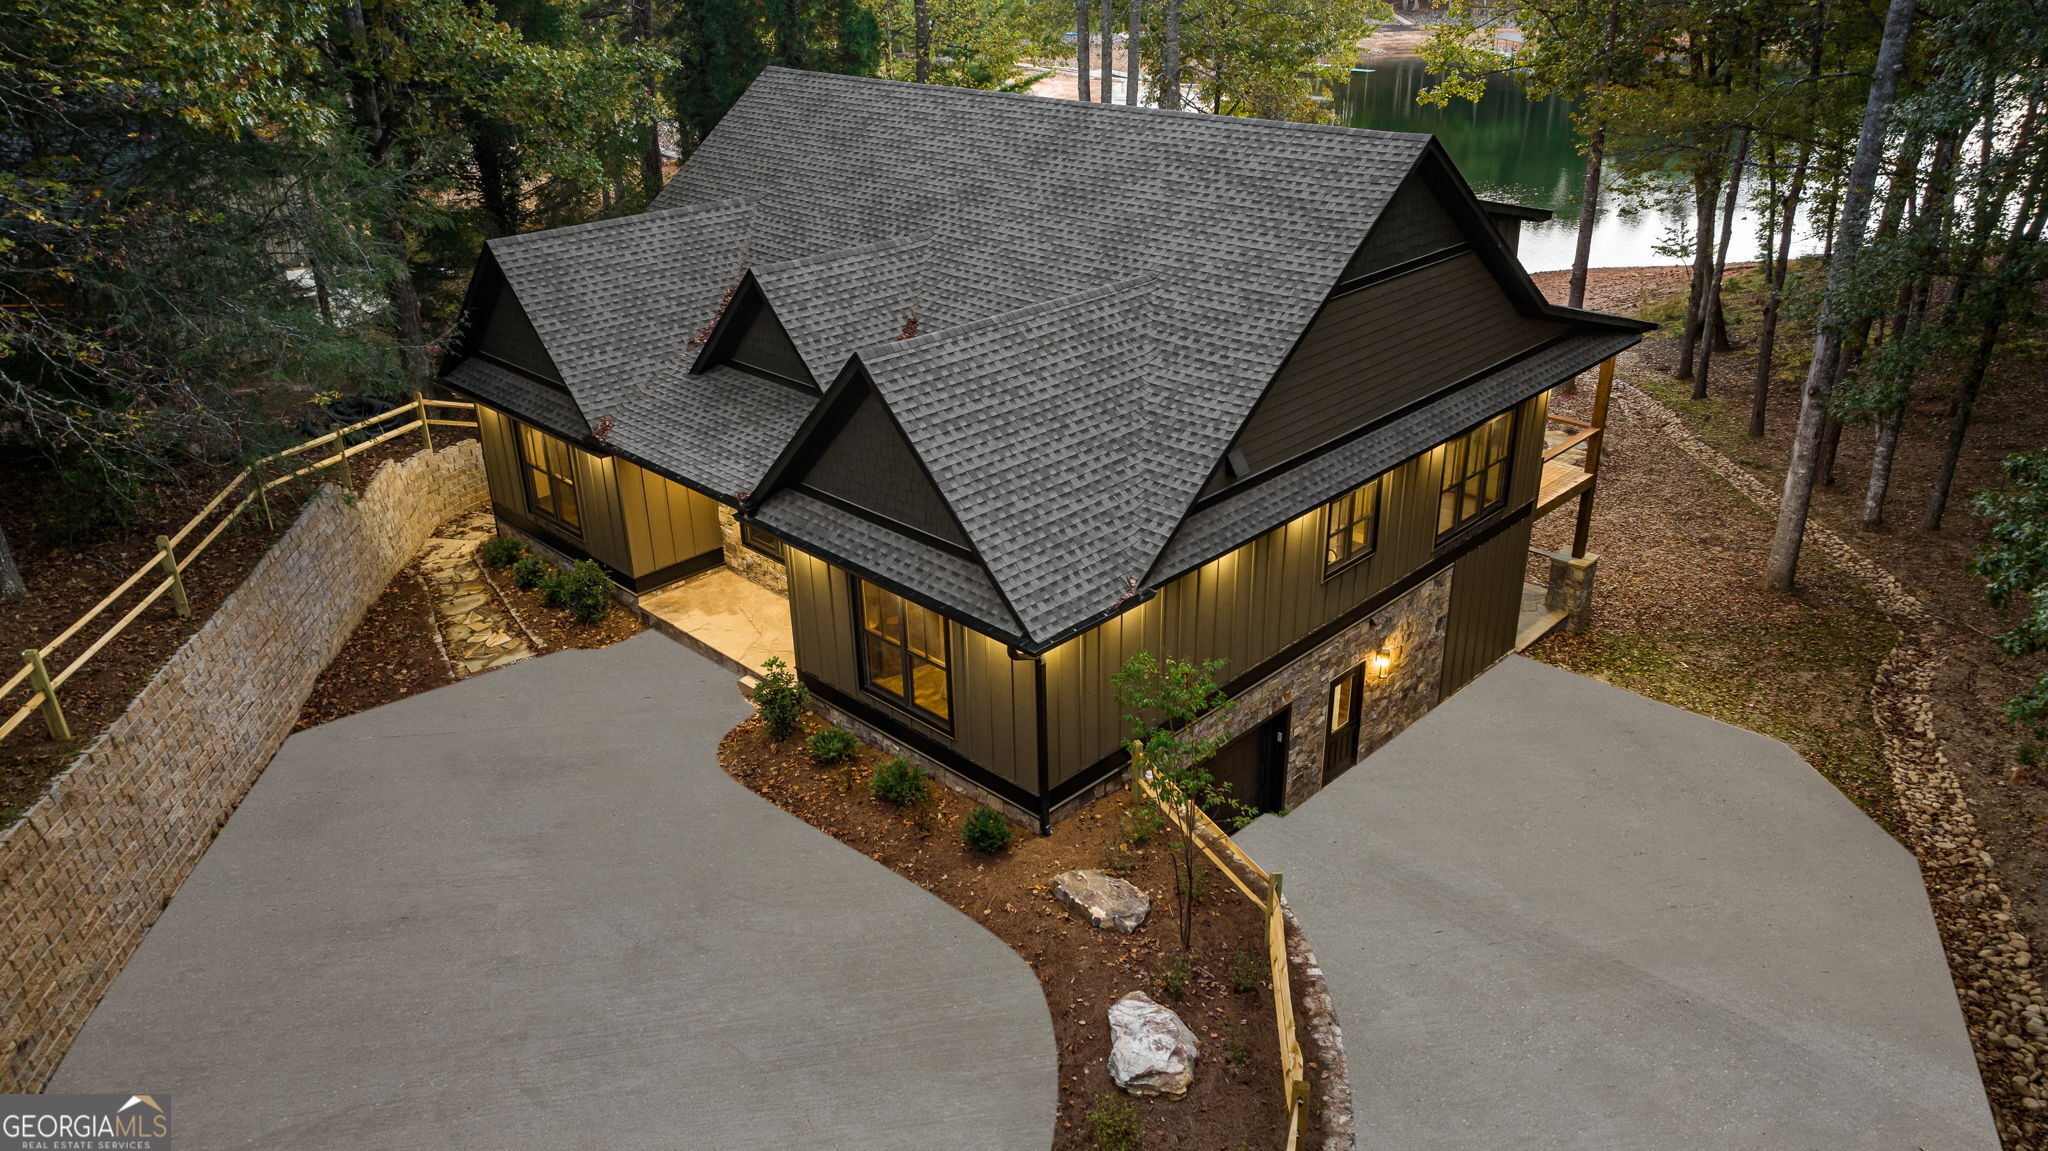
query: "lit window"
904, 652
550, 477
1475, 474
1351, 525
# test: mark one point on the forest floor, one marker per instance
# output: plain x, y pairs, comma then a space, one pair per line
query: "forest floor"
65, 578
1679, 614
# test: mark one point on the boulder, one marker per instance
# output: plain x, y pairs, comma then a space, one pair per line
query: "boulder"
1102, 899
1151, 1052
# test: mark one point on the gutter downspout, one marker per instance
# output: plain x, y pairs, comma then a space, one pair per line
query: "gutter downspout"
1044, 753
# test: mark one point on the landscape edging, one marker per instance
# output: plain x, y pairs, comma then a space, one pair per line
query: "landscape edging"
1323, 1046
91, 865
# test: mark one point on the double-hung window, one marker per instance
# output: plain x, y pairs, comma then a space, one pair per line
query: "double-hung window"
905, 654
1475, 474
1351, 526
550, 467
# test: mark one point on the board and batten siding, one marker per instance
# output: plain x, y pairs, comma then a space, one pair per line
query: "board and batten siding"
1376, 350
634, 522
994, 697
1486, 605
1248, 605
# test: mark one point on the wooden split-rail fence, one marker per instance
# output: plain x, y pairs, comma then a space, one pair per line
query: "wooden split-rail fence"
1262, 888
172, 559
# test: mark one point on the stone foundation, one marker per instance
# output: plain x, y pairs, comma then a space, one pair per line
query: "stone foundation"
752, 565
1571, 588
1412, 626
92, 864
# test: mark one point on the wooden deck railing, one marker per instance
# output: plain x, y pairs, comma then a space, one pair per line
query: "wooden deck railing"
1263, 888
254, 485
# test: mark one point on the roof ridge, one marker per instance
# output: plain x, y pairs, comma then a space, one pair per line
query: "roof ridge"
593, 227
1216, 118
836, 255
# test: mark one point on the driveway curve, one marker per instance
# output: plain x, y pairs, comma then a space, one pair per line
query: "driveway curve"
529, 910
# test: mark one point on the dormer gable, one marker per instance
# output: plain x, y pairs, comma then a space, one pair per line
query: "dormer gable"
747, 335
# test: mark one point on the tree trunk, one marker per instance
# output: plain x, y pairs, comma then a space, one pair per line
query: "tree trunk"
1108, 93
1169, 57
1716, 334
497, 176
406, 323
1131, 58
1781, 267
1830, 441
1782, 568
1882, 453
1082, 34
1589, 207
1959, 425
11, 586
921, 21
649, 132
1704, 192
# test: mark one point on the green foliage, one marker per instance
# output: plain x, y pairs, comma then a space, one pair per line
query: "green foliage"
88, 500
2015, 569
1114, 1123
900, 782
1162, 702
530, 571
1273, 61
1247, 970
985, 830
781, 698
1176, 977
974, 43
500, 551
833, 745
582, 590
1116, 856
1236, 1051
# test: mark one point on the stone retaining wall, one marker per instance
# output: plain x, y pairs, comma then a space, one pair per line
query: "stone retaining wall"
93, 863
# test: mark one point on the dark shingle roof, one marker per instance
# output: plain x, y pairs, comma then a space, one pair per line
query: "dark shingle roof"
1036, 428
523, 396
831, 304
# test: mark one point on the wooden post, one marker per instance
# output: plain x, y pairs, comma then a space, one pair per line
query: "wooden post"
419, 407
348, 476
263, 497
1582, 532
170, 566
39, 679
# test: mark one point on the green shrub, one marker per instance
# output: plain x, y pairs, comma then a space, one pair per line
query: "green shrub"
1247, 970
529, 571
1176, 977
780, 698
986, 830
584, 591
833, 745
499, 551
900, 782
1114, 1120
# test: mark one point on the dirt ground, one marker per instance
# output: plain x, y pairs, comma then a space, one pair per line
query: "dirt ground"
64, 582
1235, 1100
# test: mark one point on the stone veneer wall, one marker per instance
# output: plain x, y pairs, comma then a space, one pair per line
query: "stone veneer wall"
746, 561
86, 872
1413, 626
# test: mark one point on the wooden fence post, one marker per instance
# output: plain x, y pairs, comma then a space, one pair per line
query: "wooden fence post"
419, 407
263, 497
348, 475
39, 679
170, 565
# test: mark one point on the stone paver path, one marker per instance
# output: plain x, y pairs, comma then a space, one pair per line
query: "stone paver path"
479, 633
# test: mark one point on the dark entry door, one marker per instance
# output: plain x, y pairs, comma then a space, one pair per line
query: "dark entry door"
1341, 749
1254, 765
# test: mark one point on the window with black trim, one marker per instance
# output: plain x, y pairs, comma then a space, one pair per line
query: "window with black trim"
759, 539
550, 467
905, 653
1351, 526
1475, 474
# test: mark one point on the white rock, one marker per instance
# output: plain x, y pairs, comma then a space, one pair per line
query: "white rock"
1103, 899
1151, 1051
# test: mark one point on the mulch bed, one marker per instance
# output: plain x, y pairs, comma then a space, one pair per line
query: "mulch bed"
64, 582
556, 629
1235, 1101
390, 655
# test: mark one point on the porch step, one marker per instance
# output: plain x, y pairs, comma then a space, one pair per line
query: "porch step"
1537, 619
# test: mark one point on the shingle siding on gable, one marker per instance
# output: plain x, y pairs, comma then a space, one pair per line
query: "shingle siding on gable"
1376, 350
510, 338
870, 465
1415, 223
763, 345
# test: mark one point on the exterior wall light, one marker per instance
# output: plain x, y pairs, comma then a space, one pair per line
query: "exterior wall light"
1380, 664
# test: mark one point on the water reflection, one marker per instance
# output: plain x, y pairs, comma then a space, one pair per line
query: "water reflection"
1513, 148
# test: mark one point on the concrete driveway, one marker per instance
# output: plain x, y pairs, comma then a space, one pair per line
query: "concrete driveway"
530, 911
1554, 914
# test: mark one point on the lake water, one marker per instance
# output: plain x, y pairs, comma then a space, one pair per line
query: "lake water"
1525, 151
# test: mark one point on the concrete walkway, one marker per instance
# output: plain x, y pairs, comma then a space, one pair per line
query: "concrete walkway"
1554, 914
530, 911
